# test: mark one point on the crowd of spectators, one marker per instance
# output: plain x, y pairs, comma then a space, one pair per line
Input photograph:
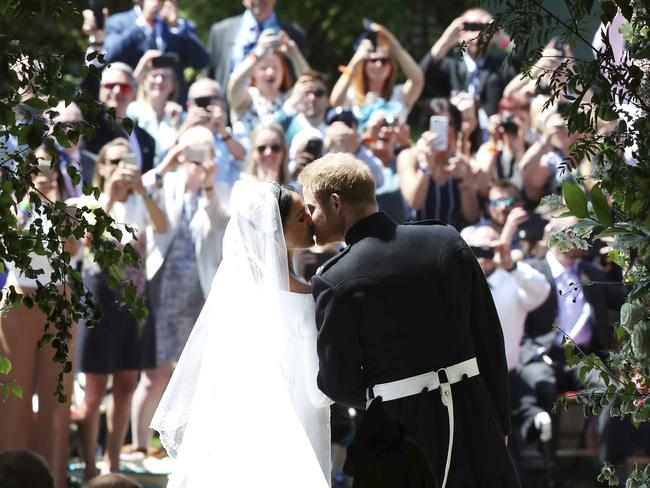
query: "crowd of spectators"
482, 161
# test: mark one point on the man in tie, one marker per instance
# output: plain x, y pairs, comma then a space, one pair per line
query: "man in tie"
232, 39
581, 312
158, 27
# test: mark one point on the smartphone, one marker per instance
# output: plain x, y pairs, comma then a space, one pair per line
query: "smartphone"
533, 229
97, 6
203, 102
165, 60
473, 26
196, 154
314, 147
129, 159
370, 34
439, 124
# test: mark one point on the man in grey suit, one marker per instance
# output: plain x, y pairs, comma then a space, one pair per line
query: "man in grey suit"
232, 39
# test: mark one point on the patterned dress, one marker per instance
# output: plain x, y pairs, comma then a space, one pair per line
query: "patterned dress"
175, 294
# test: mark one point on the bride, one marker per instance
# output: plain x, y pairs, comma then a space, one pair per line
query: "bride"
242, 408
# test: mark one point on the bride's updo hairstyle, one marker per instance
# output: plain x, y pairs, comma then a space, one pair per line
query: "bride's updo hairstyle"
282, 194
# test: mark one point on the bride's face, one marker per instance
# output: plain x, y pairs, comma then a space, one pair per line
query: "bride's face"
297, 228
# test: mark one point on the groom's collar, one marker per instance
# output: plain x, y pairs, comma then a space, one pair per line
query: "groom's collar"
367, 226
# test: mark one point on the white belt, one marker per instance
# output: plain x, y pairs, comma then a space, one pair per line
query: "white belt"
429, 381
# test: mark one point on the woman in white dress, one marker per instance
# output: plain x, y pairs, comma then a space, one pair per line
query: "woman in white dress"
242, 408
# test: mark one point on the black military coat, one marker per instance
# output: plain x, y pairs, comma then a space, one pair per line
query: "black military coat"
403, 300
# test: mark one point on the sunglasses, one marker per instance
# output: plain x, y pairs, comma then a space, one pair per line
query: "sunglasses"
317, 93
507, 201
482, 252
114, 162
276, 148
382, 61
123, 87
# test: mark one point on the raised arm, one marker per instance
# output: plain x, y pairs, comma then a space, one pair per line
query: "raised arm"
414, 75
340, 90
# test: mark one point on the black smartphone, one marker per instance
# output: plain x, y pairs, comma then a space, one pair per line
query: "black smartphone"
473, 26
314, 147
370, 34
165, 60
533, 229
203, 102
97, 6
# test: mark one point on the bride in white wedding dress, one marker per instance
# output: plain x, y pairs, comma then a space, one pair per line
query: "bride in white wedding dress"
242, 408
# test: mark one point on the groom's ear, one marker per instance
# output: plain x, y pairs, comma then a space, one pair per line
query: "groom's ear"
336, 201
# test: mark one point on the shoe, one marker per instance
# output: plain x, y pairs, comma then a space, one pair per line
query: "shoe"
544, 426
130, 453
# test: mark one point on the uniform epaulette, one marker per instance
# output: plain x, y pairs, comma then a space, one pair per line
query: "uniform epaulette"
331, 261
425, 222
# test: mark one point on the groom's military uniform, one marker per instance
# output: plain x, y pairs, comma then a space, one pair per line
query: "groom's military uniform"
393, 309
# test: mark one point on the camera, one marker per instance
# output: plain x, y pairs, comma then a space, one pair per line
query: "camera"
509, 125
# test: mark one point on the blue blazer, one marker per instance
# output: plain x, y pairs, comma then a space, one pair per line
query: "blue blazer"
128, 42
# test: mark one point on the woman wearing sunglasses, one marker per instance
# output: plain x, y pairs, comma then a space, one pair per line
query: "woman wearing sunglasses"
115, 346
268, 157
371, 73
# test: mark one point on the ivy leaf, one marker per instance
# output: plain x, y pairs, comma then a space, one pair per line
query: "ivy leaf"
575, 199
37, 104
5, 365
127, 123
609, 11
601, 207
17, 390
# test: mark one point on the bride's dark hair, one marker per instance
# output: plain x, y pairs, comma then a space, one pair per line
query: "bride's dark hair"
282, 194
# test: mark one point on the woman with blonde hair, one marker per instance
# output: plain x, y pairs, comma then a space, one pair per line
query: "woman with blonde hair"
372, 72
268, 160
157, 87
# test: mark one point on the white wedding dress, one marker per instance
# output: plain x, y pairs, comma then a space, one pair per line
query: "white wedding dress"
242, 408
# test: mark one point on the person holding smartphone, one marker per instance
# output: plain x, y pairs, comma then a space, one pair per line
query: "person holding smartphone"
157, 86
483, 76
180, 265
116, 346
371, 73
436, 180
206, 106
260, 85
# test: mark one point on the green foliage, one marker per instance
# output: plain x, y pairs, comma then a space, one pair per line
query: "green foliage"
609, 106
332, 27
38, 51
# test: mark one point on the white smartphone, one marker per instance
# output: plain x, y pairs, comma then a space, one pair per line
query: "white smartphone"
439, 124
129, 159
197, 154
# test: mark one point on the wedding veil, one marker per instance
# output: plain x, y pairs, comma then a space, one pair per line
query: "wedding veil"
226, 417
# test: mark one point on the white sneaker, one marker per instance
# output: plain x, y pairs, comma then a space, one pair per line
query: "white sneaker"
544, 426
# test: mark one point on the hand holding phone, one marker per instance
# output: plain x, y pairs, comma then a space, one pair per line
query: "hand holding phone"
369, 33
439, 125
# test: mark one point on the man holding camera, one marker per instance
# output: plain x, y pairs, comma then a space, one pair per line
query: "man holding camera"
517, 289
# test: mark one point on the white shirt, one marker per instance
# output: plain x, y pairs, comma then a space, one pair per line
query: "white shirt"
515, 294
573, 310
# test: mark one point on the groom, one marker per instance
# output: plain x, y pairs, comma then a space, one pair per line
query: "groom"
404, 313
